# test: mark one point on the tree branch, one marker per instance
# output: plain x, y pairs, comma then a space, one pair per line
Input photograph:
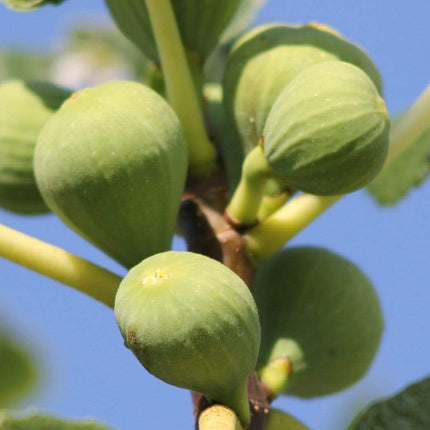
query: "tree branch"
58, 264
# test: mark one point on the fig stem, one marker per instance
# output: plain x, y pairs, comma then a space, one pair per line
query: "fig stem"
411, 125
275, 375
218, 417
180, 86
246, 201
58, 264
271, 235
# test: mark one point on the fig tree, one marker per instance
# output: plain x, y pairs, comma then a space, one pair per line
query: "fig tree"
321, 312
111, 163
193, 323
25, 106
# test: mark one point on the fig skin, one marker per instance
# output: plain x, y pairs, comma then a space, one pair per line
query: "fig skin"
266, 59
111, 163
25, 106
321, 311
200, 23
193, 323
327, 132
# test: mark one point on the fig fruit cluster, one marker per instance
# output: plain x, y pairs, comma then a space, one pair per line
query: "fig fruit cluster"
193, 323
111, 163
316, 92
25, 107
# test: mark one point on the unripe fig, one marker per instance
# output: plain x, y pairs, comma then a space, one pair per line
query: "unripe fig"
268, 58
111, 163
327, 132
200, 23
25, 106
193, 323
319, 310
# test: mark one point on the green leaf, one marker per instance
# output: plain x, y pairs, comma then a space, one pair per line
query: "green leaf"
408, 410
408, 170
17, 372
41, 422
23, 5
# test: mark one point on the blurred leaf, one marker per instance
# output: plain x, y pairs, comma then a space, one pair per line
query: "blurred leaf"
17, 372
279, 420
21, 64
408, 410
41, 422
408, 170
23, 5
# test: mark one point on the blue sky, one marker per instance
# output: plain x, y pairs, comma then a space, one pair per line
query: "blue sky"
86, 369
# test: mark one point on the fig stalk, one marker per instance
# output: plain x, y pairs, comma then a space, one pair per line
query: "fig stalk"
411, 126
246, 200
58, 264
272, 234
218, 417
180, 86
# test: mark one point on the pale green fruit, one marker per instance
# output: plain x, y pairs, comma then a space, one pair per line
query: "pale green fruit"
268, 58
111, 163
200, 23
321, 311
327, 132
193, 323
25, 106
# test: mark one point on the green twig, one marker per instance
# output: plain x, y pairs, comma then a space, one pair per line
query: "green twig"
271, 235
58, 264
180, 87
245, 203
411, 126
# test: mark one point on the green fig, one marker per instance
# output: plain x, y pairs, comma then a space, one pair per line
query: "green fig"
193, 323
25, 106
111, 163
200, 23
321, 312
327, 132
268, 58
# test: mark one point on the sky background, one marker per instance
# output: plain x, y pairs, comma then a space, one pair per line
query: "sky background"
86, 370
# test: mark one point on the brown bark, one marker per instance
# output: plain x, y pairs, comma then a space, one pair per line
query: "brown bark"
207, 231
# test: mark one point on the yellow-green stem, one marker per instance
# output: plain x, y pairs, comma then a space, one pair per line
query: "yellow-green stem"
180, 87
218, 417
58, 264
245, 203
411, 126
271, 235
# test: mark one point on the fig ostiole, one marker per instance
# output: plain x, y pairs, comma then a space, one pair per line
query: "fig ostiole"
327, 132
112, 163
200, 24
193, 323
322, 313
267, 58
25, 106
